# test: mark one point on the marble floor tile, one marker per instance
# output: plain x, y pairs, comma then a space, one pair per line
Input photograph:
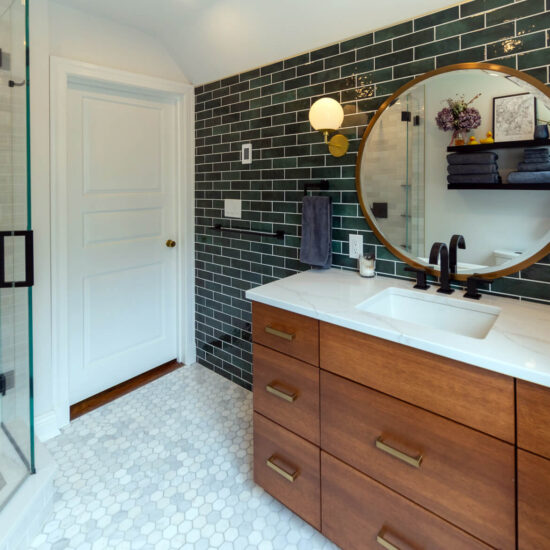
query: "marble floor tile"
168, 466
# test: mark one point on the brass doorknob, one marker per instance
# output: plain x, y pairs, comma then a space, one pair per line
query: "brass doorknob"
170, 243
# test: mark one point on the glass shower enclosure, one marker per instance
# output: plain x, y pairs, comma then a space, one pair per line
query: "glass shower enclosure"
16, 254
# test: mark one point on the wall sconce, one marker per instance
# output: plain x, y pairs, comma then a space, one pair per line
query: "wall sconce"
327, 115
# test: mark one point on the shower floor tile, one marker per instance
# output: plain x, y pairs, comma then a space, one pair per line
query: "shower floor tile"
168, 466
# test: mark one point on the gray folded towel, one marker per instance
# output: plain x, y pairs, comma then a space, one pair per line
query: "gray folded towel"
534, 166
529, 177
316, 249
472, 158
541, 158
472, 169
536, 151
474, 178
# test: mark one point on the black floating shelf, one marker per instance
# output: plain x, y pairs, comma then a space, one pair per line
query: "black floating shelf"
499, 145
277, 234
501, 187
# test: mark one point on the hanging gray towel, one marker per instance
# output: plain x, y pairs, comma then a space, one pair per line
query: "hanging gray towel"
316, 247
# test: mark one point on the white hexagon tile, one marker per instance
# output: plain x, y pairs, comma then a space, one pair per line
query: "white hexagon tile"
168, 466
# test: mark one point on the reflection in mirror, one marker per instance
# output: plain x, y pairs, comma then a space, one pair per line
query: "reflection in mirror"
404, 167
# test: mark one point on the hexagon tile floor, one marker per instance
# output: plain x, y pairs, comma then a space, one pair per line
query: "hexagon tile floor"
167, 466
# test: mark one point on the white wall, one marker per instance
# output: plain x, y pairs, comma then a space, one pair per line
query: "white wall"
65, 32
489, 220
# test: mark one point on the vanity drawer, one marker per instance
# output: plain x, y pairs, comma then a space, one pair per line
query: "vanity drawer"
533, 501
287, 391
533, 402
356, 510
287, 332
464, 476
287, 467
473, 396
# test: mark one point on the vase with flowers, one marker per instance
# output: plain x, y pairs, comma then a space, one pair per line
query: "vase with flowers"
459, 118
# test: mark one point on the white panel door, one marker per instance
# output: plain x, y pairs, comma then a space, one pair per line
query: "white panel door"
121, 177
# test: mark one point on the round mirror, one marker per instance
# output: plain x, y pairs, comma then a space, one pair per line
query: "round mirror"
421, 178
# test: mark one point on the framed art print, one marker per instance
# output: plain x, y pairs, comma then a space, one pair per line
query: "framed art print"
514, 117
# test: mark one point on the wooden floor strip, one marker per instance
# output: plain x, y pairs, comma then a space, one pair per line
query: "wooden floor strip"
100, 399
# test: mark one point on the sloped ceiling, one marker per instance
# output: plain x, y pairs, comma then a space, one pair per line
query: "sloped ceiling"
211, 39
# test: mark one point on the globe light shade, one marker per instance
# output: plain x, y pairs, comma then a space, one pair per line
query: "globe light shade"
326, 114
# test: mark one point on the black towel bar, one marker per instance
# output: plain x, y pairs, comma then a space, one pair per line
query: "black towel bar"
322, 186
277, 234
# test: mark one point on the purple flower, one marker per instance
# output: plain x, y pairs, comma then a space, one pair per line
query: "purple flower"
445, 120
468, 119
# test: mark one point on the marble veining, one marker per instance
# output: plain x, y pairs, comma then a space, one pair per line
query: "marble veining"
517, 345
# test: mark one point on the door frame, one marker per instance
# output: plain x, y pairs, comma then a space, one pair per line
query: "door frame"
63, 71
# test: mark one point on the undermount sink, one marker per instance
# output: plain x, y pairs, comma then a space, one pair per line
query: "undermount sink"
434, 311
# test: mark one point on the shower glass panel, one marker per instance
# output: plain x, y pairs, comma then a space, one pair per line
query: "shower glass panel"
395, 190
16, 407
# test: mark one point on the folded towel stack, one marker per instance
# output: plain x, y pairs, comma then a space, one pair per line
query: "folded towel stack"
535, 167
473, 168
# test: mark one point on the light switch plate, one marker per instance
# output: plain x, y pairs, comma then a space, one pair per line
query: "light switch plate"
232, 208
246, 155
355, 246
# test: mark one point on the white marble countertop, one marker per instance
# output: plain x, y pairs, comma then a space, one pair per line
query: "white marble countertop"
517, 345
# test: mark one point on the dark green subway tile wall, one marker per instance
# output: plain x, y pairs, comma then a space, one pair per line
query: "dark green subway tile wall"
269, 106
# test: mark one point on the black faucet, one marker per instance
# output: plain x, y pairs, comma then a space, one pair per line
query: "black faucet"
440, 250
457, 241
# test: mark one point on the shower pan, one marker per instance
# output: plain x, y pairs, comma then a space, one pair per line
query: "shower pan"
16, 255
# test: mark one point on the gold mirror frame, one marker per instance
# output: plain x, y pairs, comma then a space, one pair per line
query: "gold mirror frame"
399, 253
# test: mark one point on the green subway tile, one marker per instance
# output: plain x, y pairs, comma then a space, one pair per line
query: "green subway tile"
250, 94
325, 172
392, 86
261, 81
374, 50
413, 68
371, 104
296, 61
414, 39
358, 93
537, 58
355, 223
437, 18
374, 76
392, 32
537, 272
338, 60
345, 210
299, 82
356, 68
382, 253
394, 59
485, 36
521, 287
540, 73
515, 11
310, 91
358, 42
532, 24
260, 102
327, 51
273, 88
324, 76
517, 45
464, 56
459, 27
477, 6
283, 75
385, 266
437, 48
506, 61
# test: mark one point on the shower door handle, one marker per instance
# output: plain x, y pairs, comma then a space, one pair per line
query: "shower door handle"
29, 259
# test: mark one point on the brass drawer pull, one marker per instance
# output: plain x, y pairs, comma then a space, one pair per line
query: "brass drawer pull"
289, 476
411, 460
285, 335
281, 393
383, 542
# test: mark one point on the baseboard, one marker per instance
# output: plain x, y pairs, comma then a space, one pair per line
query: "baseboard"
104, 397
45, 426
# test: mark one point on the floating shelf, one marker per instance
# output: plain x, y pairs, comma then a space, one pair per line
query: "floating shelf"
499, 145
502, 186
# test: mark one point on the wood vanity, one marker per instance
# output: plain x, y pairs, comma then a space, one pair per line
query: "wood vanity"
380, 445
